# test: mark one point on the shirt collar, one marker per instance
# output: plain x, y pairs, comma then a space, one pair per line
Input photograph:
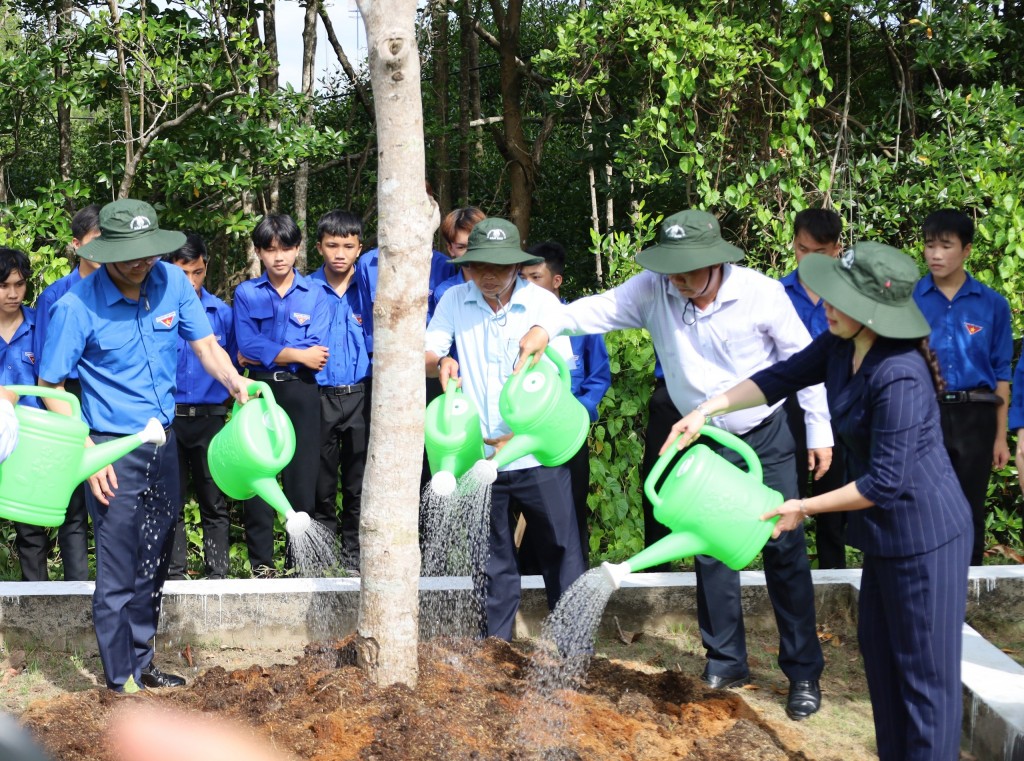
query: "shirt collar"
110, 292
970, 286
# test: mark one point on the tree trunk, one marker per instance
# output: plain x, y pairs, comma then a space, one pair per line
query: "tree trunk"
388, 627
467, 76
61, 73
302, 174
268, 84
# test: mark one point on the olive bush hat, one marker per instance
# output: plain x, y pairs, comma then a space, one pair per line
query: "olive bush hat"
872, 283
130, 230
688, 241
495, 241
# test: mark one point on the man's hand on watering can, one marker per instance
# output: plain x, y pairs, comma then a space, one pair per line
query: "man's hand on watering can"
498, 442
103, 482
8, 395
239, 388
819, 461
534, 342
448, 370
790, 515
686, 430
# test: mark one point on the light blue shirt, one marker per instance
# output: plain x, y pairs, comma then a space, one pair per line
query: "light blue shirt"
488, 345
126, 351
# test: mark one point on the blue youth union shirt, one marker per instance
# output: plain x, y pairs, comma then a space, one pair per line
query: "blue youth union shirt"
126, 351
18, 358
44, 306
266, 322
194, 384
349, 362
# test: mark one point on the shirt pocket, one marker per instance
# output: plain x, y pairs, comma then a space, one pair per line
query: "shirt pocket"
744, 351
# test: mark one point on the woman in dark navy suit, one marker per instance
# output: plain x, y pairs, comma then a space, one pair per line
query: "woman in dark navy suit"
908, 513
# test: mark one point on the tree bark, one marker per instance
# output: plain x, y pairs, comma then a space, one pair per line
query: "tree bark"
61, 72
302, 175
440, 61
388, 626
268, 84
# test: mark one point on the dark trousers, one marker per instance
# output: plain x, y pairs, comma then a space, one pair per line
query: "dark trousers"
579, 477
911, 613
194, 435
661, 416
133, 543
545, 498
829, 528
300, 399
969, 431
344, 433
33, 542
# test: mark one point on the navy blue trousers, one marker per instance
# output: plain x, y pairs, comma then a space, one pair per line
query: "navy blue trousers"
787, 573
911, 614
133, 544
544, 496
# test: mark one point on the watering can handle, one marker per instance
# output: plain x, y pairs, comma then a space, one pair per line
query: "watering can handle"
449, 398
50, 393
724, 438
563, 368
263, 389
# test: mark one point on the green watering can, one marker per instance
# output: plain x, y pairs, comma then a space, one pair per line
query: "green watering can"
712, 507
255, 444
51, 459
547, 420
453, 438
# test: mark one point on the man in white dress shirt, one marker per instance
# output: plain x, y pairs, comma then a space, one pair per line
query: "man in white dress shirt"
713, 324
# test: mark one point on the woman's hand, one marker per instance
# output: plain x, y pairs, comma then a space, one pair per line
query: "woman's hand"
790, 516
686, 429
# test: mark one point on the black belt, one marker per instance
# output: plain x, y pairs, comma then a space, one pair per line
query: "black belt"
281, 375
980, 396
200, 410
341, 390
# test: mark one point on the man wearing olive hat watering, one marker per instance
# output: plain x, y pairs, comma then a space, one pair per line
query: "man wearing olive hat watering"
714, 323
120, 329
907, 512
484, 318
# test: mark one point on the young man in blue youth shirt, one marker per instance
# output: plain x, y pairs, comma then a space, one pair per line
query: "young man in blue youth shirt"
281, 325
972, 338
344, 385
816, 231
73, 534
591, 379
18, 366
120, 328
200, 410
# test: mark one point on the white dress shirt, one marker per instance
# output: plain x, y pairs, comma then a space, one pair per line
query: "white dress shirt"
750, 325
487, 343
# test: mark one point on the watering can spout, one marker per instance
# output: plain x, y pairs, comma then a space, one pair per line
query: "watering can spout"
676, 546
100, 456
616, 574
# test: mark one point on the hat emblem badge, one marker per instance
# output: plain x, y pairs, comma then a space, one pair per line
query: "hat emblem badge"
847, 259
139, 222
496, 235
675, 232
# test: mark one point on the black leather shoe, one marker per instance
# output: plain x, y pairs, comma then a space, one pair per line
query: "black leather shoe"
804, 699
716, 682
152, 677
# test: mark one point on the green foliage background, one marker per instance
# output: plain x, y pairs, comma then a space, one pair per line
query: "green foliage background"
756, 110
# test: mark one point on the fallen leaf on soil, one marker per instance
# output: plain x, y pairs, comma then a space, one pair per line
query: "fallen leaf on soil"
17, 659
628, 638
1008, 552
836, 641
751, 687
187, 655
1008, 650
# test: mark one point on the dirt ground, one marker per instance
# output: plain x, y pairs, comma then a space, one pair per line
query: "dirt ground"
641, 701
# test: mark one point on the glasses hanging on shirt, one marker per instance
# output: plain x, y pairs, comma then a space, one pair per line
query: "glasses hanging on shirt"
689, 313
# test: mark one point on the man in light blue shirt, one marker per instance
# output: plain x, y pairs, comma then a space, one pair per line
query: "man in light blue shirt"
484, 318
120, 328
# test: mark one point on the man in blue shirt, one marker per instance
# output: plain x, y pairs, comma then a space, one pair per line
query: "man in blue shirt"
120, 328
73, 534
972, 338
591, 379
281, 325
816, 231
344, 387
200, 408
